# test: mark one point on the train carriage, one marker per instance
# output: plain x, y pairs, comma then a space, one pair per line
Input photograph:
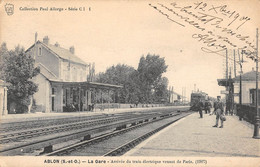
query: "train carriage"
195, 96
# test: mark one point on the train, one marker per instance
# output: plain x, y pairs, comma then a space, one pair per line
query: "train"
195, 96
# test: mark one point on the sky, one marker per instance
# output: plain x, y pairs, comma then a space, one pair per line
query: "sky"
112, 32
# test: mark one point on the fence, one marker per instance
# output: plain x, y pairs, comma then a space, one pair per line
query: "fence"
117, 105
247, 112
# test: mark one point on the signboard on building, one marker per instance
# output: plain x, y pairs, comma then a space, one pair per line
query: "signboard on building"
224, 92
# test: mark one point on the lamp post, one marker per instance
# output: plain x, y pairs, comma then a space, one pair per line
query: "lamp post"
240, 85
240, 82
256, 127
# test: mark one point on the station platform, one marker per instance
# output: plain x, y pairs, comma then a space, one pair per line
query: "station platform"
54, 115
195, 137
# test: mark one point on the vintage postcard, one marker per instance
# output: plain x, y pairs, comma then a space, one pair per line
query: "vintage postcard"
125, 83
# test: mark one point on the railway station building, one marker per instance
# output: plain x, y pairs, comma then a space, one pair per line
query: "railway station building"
248, 81
62, 82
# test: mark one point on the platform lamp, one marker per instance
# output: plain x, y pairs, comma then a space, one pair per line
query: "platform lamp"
241, 61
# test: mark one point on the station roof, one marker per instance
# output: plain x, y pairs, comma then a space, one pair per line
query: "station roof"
45, 72
249, 76
86, 84
225, 82
62, 53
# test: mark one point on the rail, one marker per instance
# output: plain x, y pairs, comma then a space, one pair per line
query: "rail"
129, 145
71, 148
65, 136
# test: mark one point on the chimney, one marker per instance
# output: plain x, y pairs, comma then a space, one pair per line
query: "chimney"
36, 37
72, 50
57, 44
46, 40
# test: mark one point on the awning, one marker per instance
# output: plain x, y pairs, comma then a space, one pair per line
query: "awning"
85, 84
225, 82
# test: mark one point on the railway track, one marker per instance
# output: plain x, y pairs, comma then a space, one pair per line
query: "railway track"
86, 147
132, 143
36, 132
17, 126
24, 141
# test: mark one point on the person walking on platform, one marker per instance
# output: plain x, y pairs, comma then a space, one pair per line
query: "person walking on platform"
218, 108
207, 107
200, 107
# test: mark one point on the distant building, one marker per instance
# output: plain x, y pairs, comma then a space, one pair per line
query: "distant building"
62, 81
174, 97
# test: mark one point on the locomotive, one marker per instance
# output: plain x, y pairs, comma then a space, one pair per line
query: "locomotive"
195, 96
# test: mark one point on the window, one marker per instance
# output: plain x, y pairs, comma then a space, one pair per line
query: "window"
40, 51
75, 75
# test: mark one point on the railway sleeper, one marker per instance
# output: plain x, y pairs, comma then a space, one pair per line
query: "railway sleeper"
121, 127
87, 137
48, 148
141, 121
133, 124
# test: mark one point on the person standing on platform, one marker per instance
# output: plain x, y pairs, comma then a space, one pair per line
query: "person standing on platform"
200, 107
207, 107
219, 109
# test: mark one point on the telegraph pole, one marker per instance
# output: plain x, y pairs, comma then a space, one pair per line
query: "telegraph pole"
226, 64
240, 81
182, 95
235, 69
256, 127
172, 94
169, 94
227, 87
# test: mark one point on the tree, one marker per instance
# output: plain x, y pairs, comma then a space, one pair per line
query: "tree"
3, 55
144, 85
133, 86
150, 70
161, 93
18, 70
118, 75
